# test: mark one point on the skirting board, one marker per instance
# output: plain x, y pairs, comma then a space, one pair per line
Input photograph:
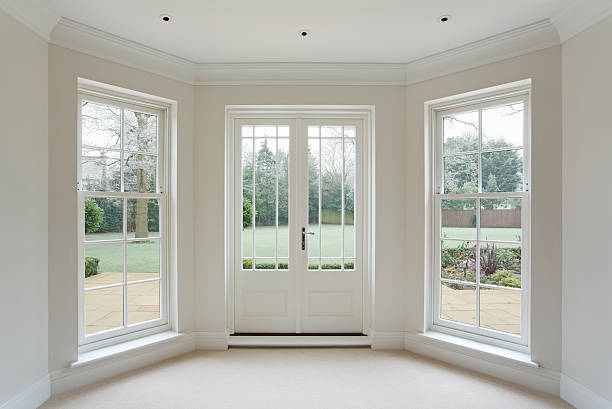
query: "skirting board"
211, 341
71, 378
31, 397
541, 379
580, 396
387, 340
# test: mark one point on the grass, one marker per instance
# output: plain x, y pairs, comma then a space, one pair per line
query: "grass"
142, 257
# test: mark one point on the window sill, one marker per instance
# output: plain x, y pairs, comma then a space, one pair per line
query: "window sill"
475, 348
112, 351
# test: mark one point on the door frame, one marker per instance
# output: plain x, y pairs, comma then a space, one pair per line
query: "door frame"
366, 113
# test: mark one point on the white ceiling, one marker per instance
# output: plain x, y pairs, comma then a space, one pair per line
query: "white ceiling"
363, 31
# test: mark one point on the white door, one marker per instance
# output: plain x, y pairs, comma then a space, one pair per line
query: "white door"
298, 219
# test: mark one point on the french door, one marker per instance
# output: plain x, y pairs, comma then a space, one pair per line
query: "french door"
297, 225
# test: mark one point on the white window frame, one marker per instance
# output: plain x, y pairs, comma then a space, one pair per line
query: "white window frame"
91, 91
435, 110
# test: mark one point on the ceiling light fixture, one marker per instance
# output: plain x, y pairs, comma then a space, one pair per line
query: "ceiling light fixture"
304, 33
166, 18
444, 18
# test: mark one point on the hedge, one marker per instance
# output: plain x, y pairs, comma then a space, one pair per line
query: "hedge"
91, 266
248, 265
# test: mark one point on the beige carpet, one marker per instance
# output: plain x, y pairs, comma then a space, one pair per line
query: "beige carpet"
303, 378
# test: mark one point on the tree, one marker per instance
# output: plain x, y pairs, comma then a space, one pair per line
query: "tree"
265, 186
93, 216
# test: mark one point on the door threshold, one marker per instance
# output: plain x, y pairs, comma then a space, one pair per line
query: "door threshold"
298, 340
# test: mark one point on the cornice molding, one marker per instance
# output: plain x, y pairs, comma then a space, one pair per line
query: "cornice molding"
579, 16
34, 14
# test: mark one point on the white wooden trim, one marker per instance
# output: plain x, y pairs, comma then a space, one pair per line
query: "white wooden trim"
299, 340
580, 396
579, 15
31, 397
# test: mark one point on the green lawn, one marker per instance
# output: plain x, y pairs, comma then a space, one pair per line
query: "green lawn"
142, 257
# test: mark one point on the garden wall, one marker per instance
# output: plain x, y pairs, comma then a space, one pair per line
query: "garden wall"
489, 218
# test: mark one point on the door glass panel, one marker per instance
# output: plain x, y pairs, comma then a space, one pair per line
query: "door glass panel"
458, 303
313, 192
331, 197
265, 197
282, 161
500, 310
247, 193
350, 167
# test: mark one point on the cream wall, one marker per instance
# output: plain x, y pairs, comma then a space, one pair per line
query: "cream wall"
23, 208
65, 66
390, 179
543, 68
587, 221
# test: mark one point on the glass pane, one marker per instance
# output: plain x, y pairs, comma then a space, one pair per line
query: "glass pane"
142, 218
100, 170
458, 260
103, 264
103, 309
265, 264
247, 264
503, 126
140, 131
282, 160
313, 195
247, 131
459, 219
142, 302
458, 303
500, 219
349, 264
283, 264
350, 132
313, 131
142, 260
350, 164
461, 133
265, 197
103, 218
500, 264
502, 171
100, 125
265, 131
331, 197
331, 264
331, 132
500, 310
247, 197
313, 264
283, 131
140, 173
461, 174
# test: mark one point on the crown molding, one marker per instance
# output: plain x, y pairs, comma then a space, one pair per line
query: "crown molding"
579, 15
34, 14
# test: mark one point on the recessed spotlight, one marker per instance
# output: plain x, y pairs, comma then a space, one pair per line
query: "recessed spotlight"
166, 18
444, 18
304, 33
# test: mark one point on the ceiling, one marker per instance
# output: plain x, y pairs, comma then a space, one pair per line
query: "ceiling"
356, 31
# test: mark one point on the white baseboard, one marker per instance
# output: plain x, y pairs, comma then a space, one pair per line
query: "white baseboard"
299, 341
387, 340
580, 396
31, 397
81, 374
511, 370
212, 341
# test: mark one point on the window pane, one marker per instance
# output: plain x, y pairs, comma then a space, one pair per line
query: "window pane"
458, 260
503, 126
282, 160
103, 264
100, 170
313, 131
461, 132
265, 197
349, 264
247, 197
142, 302
500, 310
247, 131
331, 132
331, 197
142, 260
103, 309
100, 125
458, 303
247, 264
461, 174
500, 219
502, 171
140, 131
265, 264
459, 219
350, 131
313, 194
143, 218
140, 173
283, 264
283, 131
350, 163
265, 131
103, 218
500, 264
331, 264
313, 264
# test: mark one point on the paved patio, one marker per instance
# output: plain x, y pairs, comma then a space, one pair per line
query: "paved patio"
499, 309
104, 308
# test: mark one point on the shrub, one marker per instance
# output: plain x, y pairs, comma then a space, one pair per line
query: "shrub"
505, 278
91, 266
247, 212
248, 265
93, 216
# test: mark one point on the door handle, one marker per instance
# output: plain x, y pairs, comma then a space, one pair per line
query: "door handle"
304, 233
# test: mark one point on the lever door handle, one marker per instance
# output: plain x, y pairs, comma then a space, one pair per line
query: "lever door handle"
304, 233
